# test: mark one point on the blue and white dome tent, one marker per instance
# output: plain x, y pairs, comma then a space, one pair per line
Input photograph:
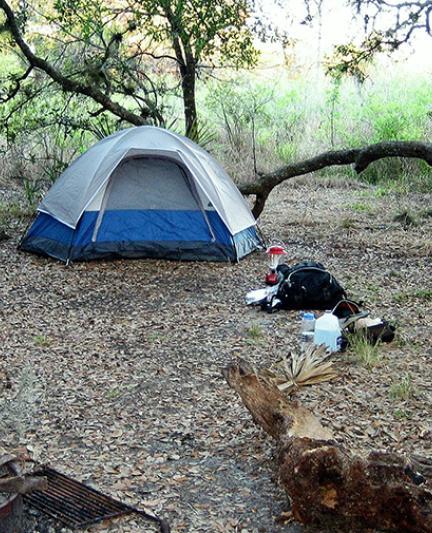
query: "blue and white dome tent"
144, 192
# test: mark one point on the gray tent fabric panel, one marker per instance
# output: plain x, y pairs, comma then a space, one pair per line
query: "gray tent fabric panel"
227, 199
247, 241
150, 183
77, 183
89, 173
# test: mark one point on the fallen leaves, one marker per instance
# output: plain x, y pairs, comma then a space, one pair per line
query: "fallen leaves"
133, 398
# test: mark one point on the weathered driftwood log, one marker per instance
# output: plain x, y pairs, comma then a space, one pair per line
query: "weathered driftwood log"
323, 479
361, 158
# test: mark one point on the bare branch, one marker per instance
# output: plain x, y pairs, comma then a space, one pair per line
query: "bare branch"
408, 17
17, 86
162, 56
361, 158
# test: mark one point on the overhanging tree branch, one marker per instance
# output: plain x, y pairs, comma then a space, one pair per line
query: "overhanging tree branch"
66, 83
408, 17
361, 158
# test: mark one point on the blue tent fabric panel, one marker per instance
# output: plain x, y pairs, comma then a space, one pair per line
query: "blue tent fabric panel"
131, 225
175, 250
50, 228
157, 225
221, 232
84, 230
190, 237
47, 236
50, 237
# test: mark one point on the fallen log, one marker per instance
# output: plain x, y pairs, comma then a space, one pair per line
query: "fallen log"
326, 482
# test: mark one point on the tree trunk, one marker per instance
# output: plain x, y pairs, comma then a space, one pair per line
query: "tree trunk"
188, 74
187, 66
328, 485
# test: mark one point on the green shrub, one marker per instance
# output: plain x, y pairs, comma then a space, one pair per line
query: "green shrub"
243, 118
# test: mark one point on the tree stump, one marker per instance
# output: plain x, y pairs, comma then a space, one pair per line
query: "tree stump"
325, 481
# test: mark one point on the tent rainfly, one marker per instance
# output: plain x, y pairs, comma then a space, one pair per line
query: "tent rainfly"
144, 192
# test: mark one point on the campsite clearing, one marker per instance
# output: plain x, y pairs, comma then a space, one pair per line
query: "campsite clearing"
128, 358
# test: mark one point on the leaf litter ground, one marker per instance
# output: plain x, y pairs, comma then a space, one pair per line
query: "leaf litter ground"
127, 355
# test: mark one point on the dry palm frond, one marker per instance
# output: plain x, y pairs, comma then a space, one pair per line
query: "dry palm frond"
300, 369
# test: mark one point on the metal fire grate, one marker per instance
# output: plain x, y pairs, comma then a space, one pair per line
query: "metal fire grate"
77, 505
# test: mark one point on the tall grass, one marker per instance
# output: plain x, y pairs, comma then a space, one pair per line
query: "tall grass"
297, 119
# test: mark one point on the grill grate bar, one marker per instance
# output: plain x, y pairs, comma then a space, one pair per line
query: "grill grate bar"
73, 503
77, 505
49, 507
71, 508
60, 481
97, 502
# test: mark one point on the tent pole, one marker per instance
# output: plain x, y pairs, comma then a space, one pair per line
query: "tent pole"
192, 187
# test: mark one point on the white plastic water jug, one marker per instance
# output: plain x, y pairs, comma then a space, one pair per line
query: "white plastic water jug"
327, 331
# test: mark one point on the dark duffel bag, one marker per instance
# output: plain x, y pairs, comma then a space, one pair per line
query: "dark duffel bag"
307, 285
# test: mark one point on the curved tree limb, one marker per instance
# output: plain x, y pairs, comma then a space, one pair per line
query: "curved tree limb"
361, 158
17, 85
66, 83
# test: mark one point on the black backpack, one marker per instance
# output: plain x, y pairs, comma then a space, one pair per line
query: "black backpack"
307, 285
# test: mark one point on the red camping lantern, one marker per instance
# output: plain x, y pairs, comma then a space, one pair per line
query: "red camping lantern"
275, 254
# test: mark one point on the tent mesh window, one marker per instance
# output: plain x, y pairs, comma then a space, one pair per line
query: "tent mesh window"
150, 183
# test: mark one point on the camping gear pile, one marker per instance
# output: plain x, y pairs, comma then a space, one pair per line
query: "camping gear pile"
309, 286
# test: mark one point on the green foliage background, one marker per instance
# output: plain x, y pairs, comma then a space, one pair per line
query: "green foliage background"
293, 121
279, 118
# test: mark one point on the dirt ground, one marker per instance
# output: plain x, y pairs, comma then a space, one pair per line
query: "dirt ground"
121, 361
